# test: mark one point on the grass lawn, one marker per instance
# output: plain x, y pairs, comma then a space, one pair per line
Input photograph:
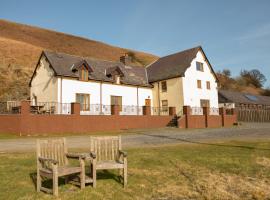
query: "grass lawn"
235, 170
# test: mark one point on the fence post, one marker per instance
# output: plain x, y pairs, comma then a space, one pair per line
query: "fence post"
222, 112
172, 111
25, 107
75, 108
115, 109
146, 110
187, 111
206, 115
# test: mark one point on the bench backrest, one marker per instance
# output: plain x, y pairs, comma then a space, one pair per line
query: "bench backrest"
106, 147
54, 149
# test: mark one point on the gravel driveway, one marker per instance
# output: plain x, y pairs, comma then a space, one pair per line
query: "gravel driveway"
137, 138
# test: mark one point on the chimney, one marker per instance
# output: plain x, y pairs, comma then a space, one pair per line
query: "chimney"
125, 59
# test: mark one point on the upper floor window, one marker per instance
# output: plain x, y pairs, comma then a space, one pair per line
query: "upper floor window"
117, 79
208, 86
199, 84
199, 66
164, 86
84, 74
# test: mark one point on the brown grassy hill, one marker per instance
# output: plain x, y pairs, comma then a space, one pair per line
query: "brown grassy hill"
21, 46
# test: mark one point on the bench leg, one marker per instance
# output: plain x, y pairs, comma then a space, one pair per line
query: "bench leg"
94, 173
82, 174
125, 172
55, 183
38, 181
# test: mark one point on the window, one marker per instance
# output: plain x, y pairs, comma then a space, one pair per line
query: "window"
84, 100
117, 79
199, 66
199, 84
84, 74
164, 104
164, 86
208, 86
117, 100
205, 103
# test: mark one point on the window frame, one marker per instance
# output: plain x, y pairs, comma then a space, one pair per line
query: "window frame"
85, 106
164, 107
84, 73
208, 85
164, 87
199, 66
199, 84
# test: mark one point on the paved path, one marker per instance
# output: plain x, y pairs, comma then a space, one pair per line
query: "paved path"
137, 138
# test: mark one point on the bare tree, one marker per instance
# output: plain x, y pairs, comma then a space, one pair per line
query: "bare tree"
254, 77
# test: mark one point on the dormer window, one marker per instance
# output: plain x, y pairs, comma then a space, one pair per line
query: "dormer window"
117, 79
115, 74
84, 74
82, 70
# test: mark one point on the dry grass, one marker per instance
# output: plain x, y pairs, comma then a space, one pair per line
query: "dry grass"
21, 46
232, 171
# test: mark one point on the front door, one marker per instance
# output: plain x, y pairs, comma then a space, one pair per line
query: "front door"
205, 103
147, 102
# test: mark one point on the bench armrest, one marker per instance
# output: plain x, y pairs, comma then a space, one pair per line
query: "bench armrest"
123, 153
93, 155
41, 159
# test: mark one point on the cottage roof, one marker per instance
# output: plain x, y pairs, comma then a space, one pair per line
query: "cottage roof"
174, 65
226, 96
63, 65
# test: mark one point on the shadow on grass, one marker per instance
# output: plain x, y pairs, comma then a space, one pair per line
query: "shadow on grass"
205, 143
47, 183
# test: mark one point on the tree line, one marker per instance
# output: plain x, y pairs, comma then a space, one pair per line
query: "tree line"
246, 79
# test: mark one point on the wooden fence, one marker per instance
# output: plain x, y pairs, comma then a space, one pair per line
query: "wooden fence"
253, 115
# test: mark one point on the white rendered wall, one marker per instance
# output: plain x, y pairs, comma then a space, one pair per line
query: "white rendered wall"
129, 93
70, 87
192, 94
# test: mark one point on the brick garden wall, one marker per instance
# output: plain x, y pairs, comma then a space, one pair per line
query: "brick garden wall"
206, 120
34, 124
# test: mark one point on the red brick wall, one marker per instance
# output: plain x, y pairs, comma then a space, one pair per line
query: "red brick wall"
229, 120
10, 124
214, 121
206, 120
49, 124
196, 121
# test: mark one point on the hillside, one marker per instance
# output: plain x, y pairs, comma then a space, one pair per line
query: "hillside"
21, 46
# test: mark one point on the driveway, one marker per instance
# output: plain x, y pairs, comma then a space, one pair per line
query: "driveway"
138, 138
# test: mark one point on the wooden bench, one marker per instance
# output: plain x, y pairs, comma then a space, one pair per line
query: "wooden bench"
52, 163
106, 153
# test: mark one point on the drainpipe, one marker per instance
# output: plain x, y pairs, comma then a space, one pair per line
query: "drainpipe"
158, 100
137, 100
61, 96
100, 96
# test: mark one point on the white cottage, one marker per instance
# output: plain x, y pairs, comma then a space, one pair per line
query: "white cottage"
184, 78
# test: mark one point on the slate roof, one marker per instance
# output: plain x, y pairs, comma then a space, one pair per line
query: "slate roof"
167, 67
174, 65
226, 96
63, 64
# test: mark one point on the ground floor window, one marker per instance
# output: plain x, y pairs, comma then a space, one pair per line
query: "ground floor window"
117, 100
164, 105
84, 100
205, 103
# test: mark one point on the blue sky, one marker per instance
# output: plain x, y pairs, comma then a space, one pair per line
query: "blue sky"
235, 34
